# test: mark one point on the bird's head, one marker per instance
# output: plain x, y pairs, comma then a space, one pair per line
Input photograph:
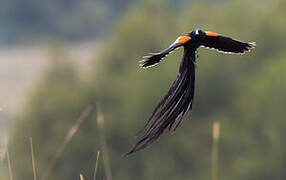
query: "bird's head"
197, 35
193, 38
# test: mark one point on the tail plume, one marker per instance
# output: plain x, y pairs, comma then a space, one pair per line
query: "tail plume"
174, 107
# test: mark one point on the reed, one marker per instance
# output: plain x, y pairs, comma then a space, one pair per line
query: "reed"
216, 133
96, 165
9, 161
33, 159
81, 177
100, 122
73, 130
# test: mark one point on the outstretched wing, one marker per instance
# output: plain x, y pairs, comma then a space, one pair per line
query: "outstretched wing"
154, 58
225, 44
174, 107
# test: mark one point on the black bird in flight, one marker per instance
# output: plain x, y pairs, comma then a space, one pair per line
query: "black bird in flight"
178, 102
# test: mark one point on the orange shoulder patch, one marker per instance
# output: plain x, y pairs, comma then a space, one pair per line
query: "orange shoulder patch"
209, 33
183, 39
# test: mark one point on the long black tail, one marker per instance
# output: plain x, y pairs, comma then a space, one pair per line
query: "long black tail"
174, 107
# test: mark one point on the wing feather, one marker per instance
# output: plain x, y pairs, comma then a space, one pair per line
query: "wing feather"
154, 58
227, 45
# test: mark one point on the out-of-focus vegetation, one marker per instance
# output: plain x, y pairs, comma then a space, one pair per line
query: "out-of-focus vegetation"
72, 20
246, 94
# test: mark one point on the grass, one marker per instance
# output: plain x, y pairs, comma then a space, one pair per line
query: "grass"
100, 122
33, 159
106, 162
216, 132
9, 161
95, 169
96, 165
81, 177
68, 138
72, 131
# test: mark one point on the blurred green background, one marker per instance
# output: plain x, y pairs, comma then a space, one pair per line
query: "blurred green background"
58, 57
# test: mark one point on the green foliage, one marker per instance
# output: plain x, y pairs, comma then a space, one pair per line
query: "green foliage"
244, 93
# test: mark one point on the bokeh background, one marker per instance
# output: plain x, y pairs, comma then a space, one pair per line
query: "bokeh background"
59, 57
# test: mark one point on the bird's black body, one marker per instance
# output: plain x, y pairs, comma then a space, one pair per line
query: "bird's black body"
177, 103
